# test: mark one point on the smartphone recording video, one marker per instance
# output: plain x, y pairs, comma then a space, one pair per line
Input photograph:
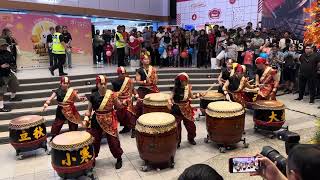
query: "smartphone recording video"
243, 165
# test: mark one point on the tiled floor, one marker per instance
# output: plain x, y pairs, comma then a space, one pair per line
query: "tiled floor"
37, 165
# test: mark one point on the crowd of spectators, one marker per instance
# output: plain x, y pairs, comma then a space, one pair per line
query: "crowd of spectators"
297, 64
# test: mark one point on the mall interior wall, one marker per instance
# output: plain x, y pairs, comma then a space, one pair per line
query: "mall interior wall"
140, 9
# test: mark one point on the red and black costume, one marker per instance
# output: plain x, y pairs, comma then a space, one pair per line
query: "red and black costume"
66, 110
236, 84
181, 107
104, 120
149, 77
123, 86
267, 80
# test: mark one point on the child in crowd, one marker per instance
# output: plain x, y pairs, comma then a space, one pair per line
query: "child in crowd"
170, 56
176, 55
184, 57
109, 50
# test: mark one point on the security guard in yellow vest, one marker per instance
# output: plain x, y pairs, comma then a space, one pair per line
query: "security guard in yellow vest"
120, 44
59, 52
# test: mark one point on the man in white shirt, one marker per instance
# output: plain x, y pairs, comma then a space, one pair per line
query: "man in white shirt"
285, 42
161, 33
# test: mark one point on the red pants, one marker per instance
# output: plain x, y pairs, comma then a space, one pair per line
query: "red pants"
57, 125
139, 108
190, 127
126, 118
113, 142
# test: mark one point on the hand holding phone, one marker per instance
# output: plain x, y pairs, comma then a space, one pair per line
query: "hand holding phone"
243, 164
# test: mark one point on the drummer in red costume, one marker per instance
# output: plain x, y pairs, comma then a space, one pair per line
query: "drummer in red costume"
180, 103
123, 85
235, 85
146, 79
66, 110
102, 102
267, 80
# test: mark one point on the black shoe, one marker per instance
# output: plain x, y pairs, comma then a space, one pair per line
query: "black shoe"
124, 130
133, 133
311, 102
15, 99
5, 110
63, 74
192, 142
118, 163
51, 71
178, 146
298, 99
286, 91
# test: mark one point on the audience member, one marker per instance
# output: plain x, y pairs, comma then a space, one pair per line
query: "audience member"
200, 172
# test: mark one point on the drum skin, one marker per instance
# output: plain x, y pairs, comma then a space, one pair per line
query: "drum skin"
72, 161
269, 115
211, 96
28, 133
149, 109
225, 131
156, 102
157, 148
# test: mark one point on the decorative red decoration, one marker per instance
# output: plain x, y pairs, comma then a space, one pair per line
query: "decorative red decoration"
194, 17
232, 1
214, 13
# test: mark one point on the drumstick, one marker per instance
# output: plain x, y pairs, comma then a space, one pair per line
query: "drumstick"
208, 90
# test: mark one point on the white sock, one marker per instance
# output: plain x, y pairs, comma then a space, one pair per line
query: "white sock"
1, 105
13, 95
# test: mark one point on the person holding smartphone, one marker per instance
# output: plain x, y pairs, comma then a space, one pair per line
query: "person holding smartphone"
303, 163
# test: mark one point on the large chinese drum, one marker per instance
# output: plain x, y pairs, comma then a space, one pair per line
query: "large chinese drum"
72, 154
156, 136
225, 122
250, 96
269, 115
156, 102
210, 96
27, 133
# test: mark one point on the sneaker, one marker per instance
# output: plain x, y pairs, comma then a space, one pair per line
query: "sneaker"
15, 99
5, 110
118, 163
311, 102
298, 99
192, 142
